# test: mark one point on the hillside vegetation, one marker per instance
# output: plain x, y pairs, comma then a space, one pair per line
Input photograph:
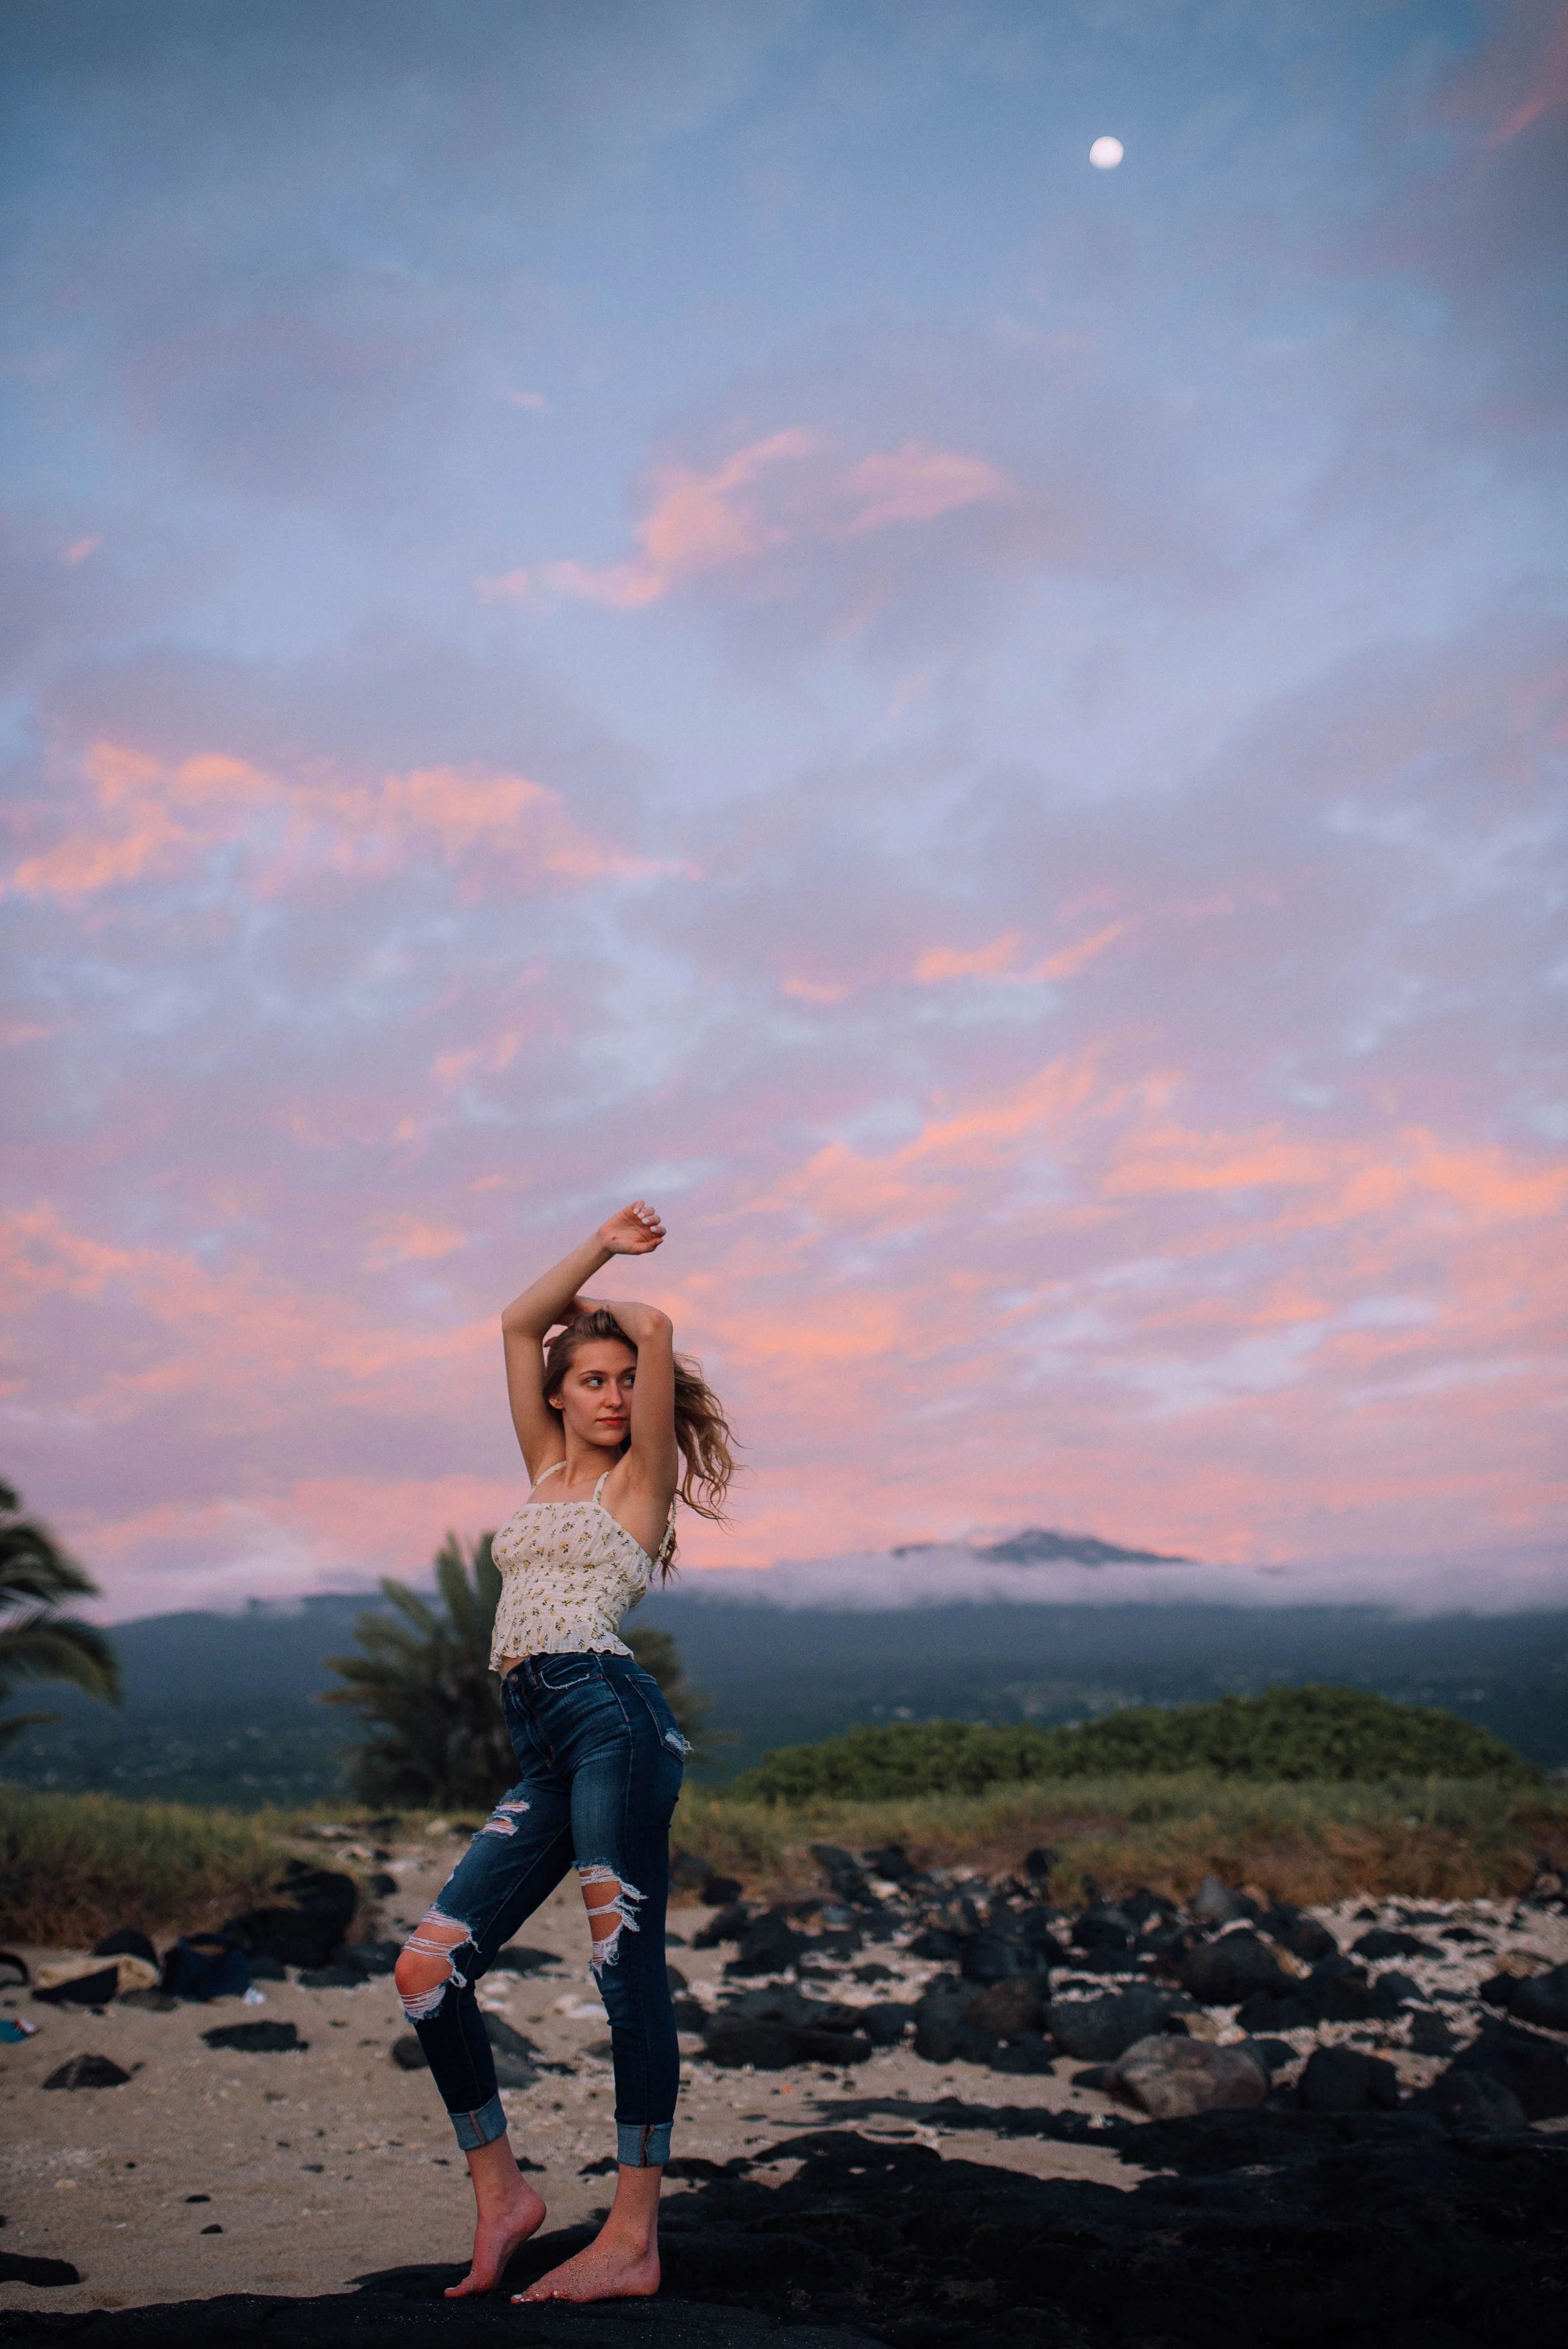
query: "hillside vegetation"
1325, 1735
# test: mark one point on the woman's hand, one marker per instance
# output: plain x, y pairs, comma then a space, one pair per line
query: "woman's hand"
635, 1231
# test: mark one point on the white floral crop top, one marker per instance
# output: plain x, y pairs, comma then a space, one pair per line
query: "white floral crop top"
568, 1572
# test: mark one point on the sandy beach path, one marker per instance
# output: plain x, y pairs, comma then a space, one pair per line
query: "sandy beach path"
213, 2172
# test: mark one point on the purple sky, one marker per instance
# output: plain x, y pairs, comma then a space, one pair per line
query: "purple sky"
685, 600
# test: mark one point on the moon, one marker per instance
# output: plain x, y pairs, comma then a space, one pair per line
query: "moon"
1105, 154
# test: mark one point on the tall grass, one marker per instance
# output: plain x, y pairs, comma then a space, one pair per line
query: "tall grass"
1433, 1840
73, 1866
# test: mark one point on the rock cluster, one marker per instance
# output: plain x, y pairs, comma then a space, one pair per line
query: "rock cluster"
1222, 2003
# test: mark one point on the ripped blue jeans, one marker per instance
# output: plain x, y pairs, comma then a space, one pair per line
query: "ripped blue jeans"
601, 1762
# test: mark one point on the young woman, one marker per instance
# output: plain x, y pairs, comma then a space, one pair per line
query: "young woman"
613, 1424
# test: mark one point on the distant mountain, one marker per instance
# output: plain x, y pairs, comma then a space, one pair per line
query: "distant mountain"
1037, 1546
1029, 1626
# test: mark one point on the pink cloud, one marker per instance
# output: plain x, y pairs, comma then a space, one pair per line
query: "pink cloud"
408, 1239
980, 962
997, 960
748, 508
1070, 961
916, 485
148, 817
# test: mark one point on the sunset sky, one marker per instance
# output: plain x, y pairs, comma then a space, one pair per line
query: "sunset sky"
682, 599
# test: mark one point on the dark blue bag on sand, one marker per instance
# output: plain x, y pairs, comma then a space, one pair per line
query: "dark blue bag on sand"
200, 1965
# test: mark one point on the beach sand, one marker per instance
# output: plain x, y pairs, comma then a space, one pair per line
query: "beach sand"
329, 2165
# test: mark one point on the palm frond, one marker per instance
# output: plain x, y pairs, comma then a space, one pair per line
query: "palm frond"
37, 1642
422, 1685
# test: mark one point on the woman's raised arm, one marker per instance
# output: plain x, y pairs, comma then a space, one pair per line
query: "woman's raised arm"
527, 1321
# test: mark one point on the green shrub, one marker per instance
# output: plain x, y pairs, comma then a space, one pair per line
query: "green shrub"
1292, 1733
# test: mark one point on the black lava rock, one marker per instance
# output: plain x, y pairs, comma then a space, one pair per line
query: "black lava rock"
517, 2063
1534, 2070
890, 1862
1338, 1991
257, 2038
845, 1875
1035, 1928
1477, 2100
311, 1930
1345, 2080
518, 1960
1098, 2029
1264, 2012
1304, 1937
372, 1958
1543, 1999
88, 2072
1223, 1972
1215, 1903
1380, 1943
1102, 1928
1429, 2034
941, 2035
992, 1956
721, 1891
885, 2024
729, 1925
935, 1942
768, 1946
772, 2043
1024, 2051
16, 2268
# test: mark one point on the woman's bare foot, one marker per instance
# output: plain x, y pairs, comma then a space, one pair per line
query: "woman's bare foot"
613, 2267
622, 2263
509, 2212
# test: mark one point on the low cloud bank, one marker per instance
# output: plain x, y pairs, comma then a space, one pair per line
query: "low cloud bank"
1501, 1581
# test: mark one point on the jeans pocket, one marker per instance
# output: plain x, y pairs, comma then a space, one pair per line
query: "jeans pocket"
656, 1705
557, 1674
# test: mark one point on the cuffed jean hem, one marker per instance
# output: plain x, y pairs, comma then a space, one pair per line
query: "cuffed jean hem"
477, 2130
642, 2145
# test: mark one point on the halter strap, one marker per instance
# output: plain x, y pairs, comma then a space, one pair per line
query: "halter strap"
601, 1484
549, 1472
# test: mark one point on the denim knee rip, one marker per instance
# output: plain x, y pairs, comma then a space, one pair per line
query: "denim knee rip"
503, 1819
439, 1936
621, 1905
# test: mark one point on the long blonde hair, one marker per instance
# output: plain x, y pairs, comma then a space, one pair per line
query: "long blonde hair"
703, 1435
